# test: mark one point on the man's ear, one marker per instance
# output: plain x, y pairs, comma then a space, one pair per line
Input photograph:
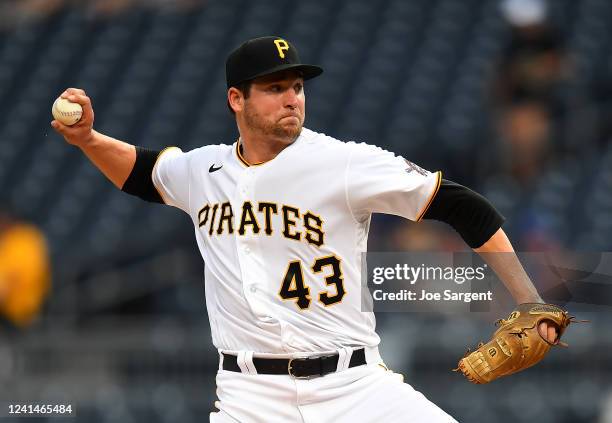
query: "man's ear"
235, 99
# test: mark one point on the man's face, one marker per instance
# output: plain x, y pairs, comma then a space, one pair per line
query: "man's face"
276, 106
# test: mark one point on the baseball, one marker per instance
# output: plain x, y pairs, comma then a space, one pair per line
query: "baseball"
66, 111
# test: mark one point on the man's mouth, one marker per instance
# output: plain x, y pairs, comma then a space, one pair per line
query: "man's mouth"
290, 116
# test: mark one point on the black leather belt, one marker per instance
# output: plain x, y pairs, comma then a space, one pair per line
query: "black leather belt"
300, 368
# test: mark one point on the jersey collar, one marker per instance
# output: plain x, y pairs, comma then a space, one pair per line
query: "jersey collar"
241, 159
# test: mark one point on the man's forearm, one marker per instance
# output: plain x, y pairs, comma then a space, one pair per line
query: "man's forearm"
500, 256
114, 158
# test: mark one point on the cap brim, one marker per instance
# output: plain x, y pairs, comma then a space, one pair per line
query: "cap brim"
308, 71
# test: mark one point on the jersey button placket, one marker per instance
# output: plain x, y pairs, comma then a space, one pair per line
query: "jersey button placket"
247, 248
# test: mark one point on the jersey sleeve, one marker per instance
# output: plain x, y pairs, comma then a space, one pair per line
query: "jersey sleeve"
378, 181
171, 177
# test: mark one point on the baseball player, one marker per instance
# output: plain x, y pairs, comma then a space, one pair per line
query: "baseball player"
281, 219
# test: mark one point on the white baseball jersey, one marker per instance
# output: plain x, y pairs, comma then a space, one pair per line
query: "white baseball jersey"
282, 241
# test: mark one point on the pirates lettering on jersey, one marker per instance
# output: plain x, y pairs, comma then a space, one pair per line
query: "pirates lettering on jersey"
313, 225
248, 219
218, 219
227, 215
203, 215
212, 219
289, 216
268, 209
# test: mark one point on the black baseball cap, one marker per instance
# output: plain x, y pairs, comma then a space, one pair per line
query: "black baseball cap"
263, 56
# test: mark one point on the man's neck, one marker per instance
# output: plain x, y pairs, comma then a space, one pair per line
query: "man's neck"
257, 150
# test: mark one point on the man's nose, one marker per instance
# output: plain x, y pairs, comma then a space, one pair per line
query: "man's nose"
291, 99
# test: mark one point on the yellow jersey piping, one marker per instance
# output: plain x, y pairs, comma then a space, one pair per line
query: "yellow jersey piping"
431, 197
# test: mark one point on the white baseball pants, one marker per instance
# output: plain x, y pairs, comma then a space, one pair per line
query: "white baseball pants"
362, 394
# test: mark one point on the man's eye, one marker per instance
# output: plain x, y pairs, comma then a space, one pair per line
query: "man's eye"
299, 88
275, 88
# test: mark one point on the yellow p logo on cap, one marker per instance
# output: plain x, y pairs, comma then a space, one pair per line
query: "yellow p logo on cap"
281, 45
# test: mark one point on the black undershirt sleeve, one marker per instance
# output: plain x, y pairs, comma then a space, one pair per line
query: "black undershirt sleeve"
468, 212
140, 182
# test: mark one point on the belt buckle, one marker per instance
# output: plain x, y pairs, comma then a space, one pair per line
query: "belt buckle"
290, 371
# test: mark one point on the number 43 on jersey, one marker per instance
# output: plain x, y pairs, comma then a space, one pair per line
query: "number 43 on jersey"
295, 288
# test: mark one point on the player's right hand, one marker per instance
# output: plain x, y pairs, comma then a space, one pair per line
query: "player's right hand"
81, 132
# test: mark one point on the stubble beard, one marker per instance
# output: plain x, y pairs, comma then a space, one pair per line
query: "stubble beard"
276, 130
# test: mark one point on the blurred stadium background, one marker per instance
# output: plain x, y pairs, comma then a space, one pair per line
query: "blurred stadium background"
512, 98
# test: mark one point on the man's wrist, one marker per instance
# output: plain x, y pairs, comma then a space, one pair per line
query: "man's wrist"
530, 299
89, 141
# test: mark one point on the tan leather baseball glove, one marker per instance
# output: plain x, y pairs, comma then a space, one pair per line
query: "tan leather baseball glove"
516, 344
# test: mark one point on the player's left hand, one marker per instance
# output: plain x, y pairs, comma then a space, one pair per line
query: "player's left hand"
521, 341
549, 331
